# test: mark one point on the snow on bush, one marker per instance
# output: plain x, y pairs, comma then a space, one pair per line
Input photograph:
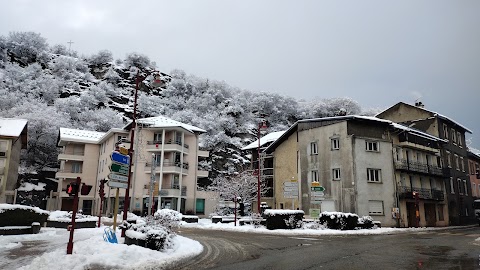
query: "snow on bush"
293, 223
6, 207
64, 216
158, 230
338, 220
274, 212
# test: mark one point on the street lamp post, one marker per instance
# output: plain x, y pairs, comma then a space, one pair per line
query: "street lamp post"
138, 80
262, 126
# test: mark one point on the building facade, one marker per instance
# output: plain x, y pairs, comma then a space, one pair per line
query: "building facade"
13, 138
474, 173
453, 154
349, 156
164, 146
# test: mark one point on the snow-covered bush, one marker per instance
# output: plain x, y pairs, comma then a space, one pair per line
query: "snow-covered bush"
293, 223
157, 231
338, 220
102, 57
283, 219
137, 60
256, 220
366, 222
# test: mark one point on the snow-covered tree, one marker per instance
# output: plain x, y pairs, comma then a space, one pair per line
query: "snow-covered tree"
102, 57
137, 60
26, 46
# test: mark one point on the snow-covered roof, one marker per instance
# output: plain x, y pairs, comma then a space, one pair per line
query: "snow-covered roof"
162, 122
434, 114
77, 135
10, 127
346, 117
270, 137
417, 132
110, 132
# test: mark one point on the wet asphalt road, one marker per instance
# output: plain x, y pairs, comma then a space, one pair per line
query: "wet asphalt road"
443, 249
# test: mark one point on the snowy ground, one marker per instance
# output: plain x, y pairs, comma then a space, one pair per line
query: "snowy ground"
16, 251
207, 224
47, 250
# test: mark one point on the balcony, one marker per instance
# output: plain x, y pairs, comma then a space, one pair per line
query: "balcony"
168, 167
169, 146
202, 153
173, 191
418, 167
423, 193
71, 155
201, 173
68, 174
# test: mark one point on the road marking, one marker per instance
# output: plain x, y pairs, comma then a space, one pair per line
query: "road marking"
304, 238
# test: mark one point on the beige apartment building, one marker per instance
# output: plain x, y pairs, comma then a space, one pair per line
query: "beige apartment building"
13, 138
170, 146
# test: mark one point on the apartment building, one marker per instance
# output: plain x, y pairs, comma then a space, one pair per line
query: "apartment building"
453, 154
13, 138
266, 165
170, 146
349, 156
418, 170
474, 173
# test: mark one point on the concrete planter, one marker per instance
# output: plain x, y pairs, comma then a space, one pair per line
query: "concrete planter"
78, 224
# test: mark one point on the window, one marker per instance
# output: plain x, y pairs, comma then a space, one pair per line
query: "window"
474, 190
459, 139
465, 191
157, 137
454, 136
445, 132
200, 206
457, 163
452, 188
314, 175
371, 146
313, 148
335, 144
449, 159
76, 167
375, 208
336, 174
374, 175
471, 167
440, 213
459, 183
462, 164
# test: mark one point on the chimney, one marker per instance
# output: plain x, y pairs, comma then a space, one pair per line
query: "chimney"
419, 104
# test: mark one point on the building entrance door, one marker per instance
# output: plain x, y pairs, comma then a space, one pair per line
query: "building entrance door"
430, 215
412, 219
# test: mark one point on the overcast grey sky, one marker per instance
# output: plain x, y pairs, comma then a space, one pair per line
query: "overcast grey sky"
376, 52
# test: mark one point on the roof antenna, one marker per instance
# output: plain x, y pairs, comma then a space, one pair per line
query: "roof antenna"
418, 103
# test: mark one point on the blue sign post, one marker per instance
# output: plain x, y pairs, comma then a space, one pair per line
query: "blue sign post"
119, 158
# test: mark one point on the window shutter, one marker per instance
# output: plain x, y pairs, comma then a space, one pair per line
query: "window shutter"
375, 207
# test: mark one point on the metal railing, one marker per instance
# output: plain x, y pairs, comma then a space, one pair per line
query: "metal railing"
72, 152
417, 167
69, 171
423, 193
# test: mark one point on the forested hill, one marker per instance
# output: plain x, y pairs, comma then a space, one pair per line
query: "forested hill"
54, 87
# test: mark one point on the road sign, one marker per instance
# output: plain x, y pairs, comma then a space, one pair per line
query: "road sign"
314, 213
119, 158
317, 193
123, 150
315, 184
290, 184
119, 168
117, 177
114, 184
289, 194
320, 188
291, 189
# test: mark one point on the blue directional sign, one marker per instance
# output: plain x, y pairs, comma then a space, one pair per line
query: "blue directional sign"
119, 158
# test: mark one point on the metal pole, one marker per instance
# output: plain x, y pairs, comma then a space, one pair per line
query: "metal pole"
74, 214
152, 183
115, 211
258, 170
235, 199
135, 166
130, 153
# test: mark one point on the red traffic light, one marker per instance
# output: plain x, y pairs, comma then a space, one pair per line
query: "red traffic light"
72, 189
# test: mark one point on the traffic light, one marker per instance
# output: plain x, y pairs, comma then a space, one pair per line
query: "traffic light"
101, 190
72, 189
85, 189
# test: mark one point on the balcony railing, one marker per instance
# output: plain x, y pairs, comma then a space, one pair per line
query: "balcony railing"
423, 193
167, 164
72, 152
418, 167
168, 142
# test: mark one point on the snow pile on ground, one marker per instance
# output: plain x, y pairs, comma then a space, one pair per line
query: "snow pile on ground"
90, 251
130, 216
64, 216
207, 224
5, 207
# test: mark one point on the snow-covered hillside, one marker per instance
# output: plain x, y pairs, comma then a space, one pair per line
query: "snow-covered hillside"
54, 87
